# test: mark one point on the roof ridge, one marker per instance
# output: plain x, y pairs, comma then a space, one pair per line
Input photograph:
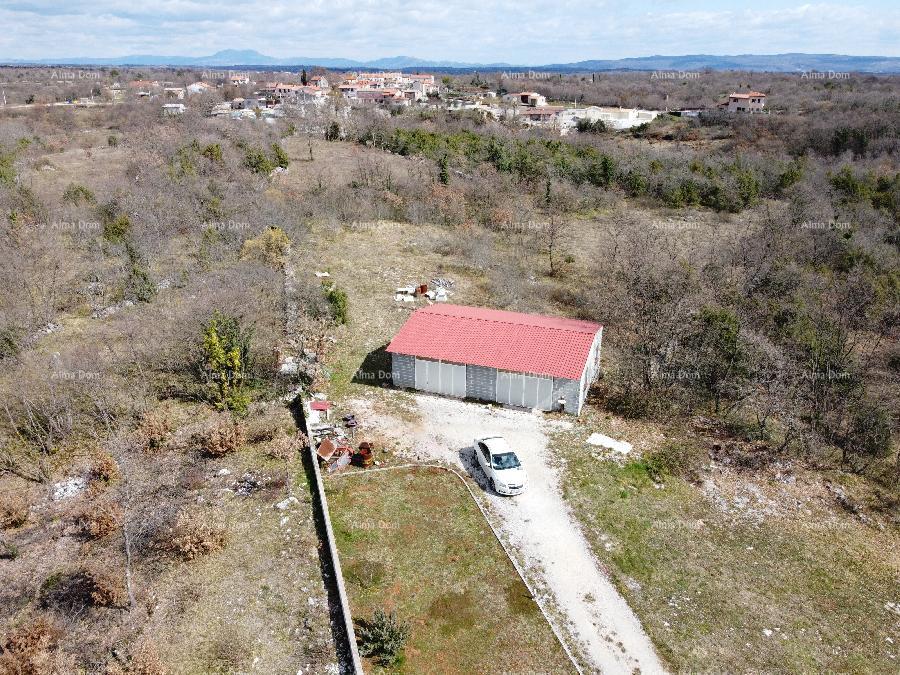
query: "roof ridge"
538, 320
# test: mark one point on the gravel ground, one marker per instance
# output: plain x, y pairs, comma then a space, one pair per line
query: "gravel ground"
537, 523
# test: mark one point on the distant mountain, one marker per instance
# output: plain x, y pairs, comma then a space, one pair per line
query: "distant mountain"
235, 58
779, 63
249, 57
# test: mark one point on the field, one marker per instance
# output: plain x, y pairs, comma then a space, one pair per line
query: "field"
413, 542
739, 570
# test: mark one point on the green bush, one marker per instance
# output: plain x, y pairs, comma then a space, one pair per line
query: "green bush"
7, 169
333, 133
256, 160
338, 300
10, 342
139, 285
213, 152
591, 126
383, 637
869, 435
117, 229
224, 359
74, 194
281, 157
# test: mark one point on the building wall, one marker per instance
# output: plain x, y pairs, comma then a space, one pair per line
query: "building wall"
403, 371
481, 383
570, 390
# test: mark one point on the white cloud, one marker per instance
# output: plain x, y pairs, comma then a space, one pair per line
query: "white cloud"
524, 32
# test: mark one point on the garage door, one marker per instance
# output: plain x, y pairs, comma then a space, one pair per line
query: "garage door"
527, 391
440, 377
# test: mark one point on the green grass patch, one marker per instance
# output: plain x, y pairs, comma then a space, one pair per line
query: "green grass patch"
709, 587
413, 542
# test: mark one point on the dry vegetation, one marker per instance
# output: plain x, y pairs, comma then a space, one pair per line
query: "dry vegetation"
746, 271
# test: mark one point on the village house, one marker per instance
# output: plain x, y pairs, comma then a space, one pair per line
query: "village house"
382, 80
403, 88
199, 88
425, 80
319, 81
173, 92
238, 79
388, 95
249, 103
750, 102
540, 114
114, 92
529, 98
173, 108
144, 88
311, 94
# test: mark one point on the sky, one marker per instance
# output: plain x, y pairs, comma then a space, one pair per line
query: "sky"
520, 32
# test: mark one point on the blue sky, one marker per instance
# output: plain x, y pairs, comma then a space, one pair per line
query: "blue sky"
520, 31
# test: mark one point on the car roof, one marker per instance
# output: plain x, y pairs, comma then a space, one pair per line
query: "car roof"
496, 444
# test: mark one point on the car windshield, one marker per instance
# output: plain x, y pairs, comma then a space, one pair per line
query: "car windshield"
506, 460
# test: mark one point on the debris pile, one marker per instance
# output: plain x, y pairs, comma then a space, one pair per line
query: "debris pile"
334, 441
439, 291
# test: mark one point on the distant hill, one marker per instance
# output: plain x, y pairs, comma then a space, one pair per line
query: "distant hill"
785, 63
779, 63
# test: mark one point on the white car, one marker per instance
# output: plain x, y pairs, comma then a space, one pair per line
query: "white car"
500, 464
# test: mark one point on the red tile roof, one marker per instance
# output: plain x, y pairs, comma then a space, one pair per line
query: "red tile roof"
527, 343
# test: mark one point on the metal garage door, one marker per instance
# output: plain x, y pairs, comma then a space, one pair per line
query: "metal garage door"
527, 391
440, 377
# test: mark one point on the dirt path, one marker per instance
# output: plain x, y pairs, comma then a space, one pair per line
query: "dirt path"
539, 525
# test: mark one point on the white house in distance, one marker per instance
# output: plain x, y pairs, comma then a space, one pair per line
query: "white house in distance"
199, 88
617, 119
524, 360
751, 102
529, 98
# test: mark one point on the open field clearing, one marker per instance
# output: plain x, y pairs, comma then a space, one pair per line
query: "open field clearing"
736, 571
412, 541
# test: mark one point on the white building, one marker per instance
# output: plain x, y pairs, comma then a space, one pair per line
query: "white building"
199, 88
616, 119
750, 102
529, 98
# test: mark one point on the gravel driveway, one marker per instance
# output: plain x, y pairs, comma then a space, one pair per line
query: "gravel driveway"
537, 523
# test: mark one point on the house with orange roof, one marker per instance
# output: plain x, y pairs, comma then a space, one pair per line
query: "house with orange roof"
749, 102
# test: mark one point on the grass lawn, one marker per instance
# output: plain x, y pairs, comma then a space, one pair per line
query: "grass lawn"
799, 592
413, 541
